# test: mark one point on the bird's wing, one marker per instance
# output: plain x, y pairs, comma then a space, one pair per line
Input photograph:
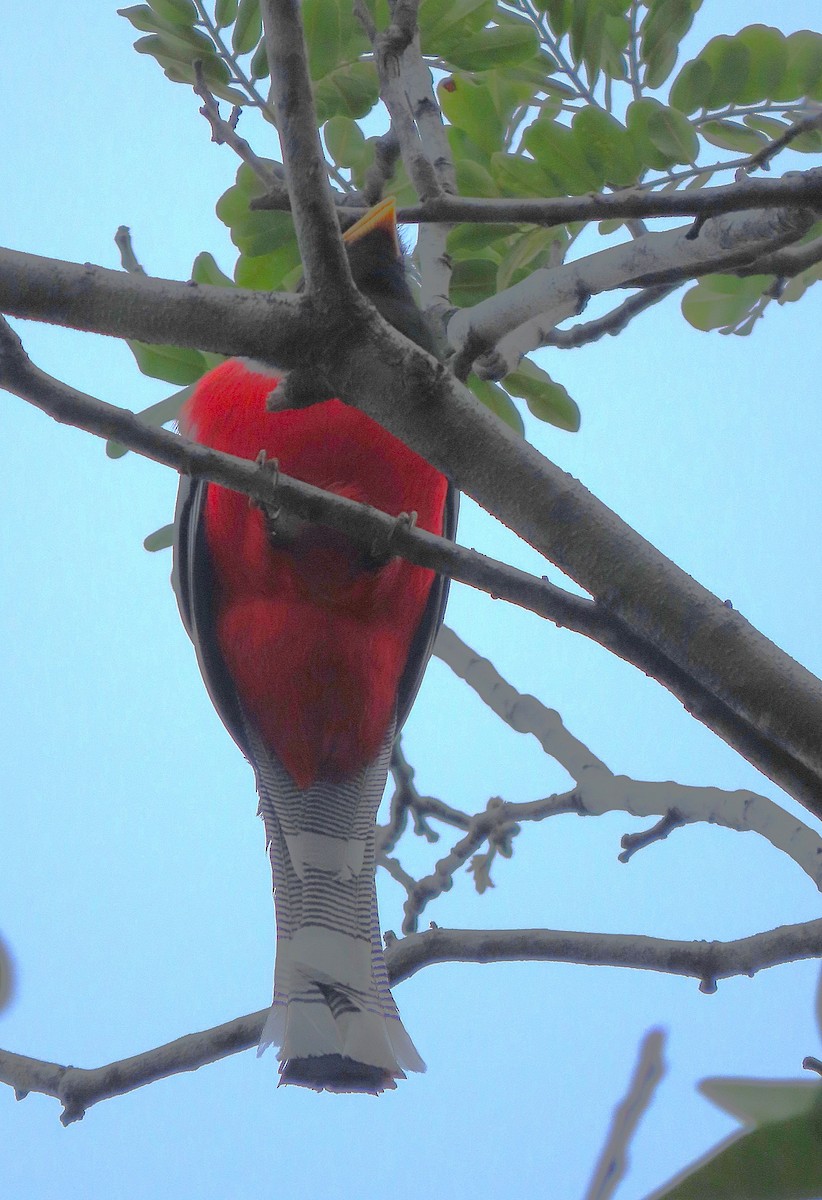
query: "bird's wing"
192, 578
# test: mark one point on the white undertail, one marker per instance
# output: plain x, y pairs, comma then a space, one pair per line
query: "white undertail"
333, 1015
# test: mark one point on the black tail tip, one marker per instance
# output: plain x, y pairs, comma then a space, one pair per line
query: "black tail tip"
338, 1073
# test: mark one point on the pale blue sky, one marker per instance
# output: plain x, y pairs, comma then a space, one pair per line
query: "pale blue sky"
135, 889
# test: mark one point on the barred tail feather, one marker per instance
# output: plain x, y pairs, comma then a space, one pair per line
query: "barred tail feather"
333, 1014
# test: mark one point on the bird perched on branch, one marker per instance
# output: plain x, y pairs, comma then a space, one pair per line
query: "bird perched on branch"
312, 650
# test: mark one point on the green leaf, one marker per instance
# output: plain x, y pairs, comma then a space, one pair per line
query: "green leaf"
758, 1101
661, 31
731, 135
161, 539
225, 12
519, 176
345, 141
768, 125
352, 90
722, 301
469, 106
248, 27
730, 61
473, 179
155, 415
259, 68
607, 146
768, 63
175, 364
527, 252
692, 86
469, 240
442, 24
547, 400
662, 136
205, 270
803, 72
178, 12
321, 23
561, 156
778, 1159
498, 401
184, 46
473, 280
494, 47
560, 14
144, 19
262, 231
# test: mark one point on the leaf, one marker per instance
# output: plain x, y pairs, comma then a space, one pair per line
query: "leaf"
519, 176
442, 24
803, 72
467, 240
469, 106
692, 86
497, 46
205, 270
259, 68
661, 31
662, 136
351, 90
268, 272
730, 61
248, 27
530, 250
560, 13
473, 179
175, 364
768, 63
780, 1158
161, 539
473, 280
547, 400
155, 415
323, 37
498, 401
178, 12
722, 301
607, 146
184, 46
225, 12
560, 155
345, 141
758, 1101
731, 135
261, 232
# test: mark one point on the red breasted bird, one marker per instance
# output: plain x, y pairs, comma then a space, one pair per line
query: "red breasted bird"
312, 651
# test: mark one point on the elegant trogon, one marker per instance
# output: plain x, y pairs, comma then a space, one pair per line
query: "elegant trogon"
312, 649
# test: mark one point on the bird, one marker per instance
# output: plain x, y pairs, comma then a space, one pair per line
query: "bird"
312, 649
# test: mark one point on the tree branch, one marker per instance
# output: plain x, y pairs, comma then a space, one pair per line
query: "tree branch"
802, 188
325, 263
507, 322
78, 1088
727, 674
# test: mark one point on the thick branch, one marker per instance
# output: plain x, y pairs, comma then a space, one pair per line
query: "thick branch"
726, 673
163, 311
78, 1088
325, 264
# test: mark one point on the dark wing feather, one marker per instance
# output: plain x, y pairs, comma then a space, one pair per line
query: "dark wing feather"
192, 578
432, 618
